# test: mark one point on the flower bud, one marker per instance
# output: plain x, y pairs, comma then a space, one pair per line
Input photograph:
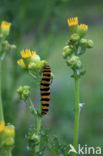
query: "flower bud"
26, 93
44, 63
23, 92
83, 43
19, 90
9, 134
73, 24
67, 51
74, 62
35, 59
90, 44
5, 28
9, 141
21, 63
40, 66
82, 29
9, 130
74, 37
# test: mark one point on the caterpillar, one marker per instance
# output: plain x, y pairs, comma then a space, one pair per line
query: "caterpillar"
45, 89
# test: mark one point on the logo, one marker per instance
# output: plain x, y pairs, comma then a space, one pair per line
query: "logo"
85, 150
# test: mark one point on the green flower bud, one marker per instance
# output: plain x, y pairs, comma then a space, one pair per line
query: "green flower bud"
67, 51
82, 29
35, 59
83, 42
5, 28
44, 63
23, 92
26, 92
74, 62
9, 141
19, 90
74, 37
8, 135
90, 44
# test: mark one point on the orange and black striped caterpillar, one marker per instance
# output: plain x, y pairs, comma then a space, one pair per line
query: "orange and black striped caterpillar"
45, 89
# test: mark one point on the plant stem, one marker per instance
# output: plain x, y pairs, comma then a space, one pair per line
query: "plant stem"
1, 106
33, 108
77, 113
37, 148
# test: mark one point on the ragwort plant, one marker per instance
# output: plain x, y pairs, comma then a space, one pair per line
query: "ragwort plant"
7, 131
75, 47
33, 65
39, 139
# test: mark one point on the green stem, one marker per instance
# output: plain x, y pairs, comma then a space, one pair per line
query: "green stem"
32, 107
1, 106
37, 148
77, 113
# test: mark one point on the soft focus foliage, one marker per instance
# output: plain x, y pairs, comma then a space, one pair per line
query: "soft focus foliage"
42, 25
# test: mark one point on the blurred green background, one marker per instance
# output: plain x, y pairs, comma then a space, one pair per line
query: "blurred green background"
42, 26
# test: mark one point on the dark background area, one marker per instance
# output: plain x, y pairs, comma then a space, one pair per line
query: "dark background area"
42, 26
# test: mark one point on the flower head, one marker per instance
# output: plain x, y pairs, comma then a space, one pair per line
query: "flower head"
9, 130
73, 21
25, 54
2, 126
83, 27
21, 63
28, 57
5, 25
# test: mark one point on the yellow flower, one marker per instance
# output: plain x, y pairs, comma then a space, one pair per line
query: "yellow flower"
21, 63
5, 25
9, 130
27, 54
83, 27
73, 21
2, 126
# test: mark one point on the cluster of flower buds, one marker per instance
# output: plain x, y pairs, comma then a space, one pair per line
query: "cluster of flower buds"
31, 62
77, 44
23, 92
7, 135
5, 46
